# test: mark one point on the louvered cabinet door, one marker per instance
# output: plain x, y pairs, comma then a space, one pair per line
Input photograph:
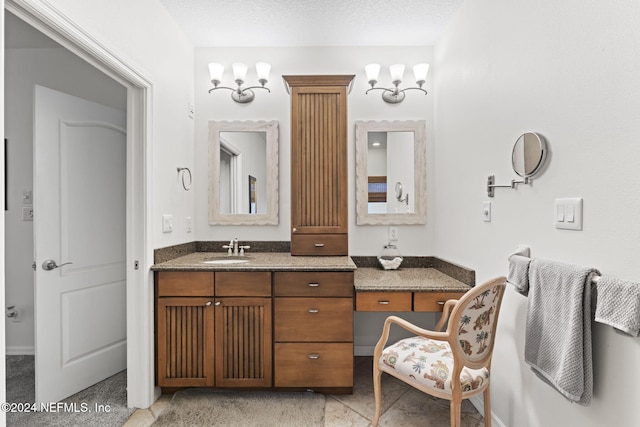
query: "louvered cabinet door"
185, 341
243, 342
319, 188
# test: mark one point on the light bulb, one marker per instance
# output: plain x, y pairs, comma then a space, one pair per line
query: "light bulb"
263, 68
239, 71
372, 70
215, 71
396, 71
420, 72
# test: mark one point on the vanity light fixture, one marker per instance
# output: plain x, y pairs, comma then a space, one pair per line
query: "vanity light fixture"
240, 94
396, 95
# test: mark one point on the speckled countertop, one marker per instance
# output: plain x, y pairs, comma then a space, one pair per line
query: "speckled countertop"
409, 279
258, 261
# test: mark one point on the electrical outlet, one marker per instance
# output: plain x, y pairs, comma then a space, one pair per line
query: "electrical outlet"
393, 234
27, 213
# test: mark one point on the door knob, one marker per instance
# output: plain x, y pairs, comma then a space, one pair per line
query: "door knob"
50, 264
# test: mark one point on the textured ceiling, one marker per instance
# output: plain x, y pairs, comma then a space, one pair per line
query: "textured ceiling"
210, 23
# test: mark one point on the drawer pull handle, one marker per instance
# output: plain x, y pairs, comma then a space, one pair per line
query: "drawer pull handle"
440, 302
313, 285
382, 302
314, 310
319, 245
313, 356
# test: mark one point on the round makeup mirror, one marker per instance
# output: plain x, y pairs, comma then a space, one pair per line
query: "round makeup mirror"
529, 154
399, 190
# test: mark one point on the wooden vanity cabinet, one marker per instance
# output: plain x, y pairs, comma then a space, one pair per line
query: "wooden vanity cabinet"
214, 329
184, 329
313, 330
319, 203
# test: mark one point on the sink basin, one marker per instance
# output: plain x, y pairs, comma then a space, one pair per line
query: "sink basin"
227, 260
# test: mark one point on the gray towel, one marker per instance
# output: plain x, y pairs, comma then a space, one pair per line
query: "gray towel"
519, 273
558, 332
618, 304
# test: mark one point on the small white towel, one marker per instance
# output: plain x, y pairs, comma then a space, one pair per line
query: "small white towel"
519, 273
618, 304
558, 331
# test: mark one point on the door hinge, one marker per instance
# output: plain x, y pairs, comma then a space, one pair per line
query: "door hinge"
136, 265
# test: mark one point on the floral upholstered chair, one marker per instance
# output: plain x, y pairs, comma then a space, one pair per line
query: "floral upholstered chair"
454, 364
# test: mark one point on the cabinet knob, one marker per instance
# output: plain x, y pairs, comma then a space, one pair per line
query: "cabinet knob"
383, 302
208, 304
217, 303
314, 310
294, 230
313, 356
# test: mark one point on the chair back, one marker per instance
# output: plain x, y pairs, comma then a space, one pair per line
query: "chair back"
473, 321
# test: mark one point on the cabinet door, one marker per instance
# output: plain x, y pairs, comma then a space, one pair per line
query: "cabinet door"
184, 342
319, 160
243, 342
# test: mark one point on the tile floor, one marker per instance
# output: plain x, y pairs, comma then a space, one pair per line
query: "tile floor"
402, 405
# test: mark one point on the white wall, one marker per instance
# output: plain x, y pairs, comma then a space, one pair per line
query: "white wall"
146, 36
569, 71
363, 240
61, 70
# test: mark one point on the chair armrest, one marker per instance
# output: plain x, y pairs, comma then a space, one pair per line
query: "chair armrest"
446, 310
442, 336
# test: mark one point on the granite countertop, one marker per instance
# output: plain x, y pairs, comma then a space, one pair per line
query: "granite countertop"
406, 279
258, 261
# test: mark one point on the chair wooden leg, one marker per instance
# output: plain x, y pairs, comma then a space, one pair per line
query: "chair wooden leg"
455, 412
377, 392
487, 407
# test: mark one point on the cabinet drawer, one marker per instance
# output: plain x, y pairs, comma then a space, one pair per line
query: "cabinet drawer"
433, 301
243, 284
383, 301
313, 319
314, 284
319, 244
188, 284
313, 365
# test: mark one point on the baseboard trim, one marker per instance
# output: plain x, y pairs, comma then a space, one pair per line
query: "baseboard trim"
20, 351
363, 350
478, 403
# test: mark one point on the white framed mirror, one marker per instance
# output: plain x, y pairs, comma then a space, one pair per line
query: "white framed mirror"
391, 172
243, 172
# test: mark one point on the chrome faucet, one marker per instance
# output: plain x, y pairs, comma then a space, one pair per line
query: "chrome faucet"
234, 249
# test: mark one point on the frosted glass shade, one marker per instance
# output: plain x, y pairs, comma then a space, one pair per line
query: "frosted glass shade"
396, 71
372, 70
215, 71
239, 71
420, 72
263, 69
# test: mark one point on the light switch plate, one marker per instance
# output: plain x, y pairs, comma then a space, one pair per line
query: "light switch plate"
568, 213
167, 223
486, 211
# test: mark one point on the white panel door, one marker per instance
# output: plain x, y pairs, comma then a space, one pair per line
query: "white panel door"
79, 219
